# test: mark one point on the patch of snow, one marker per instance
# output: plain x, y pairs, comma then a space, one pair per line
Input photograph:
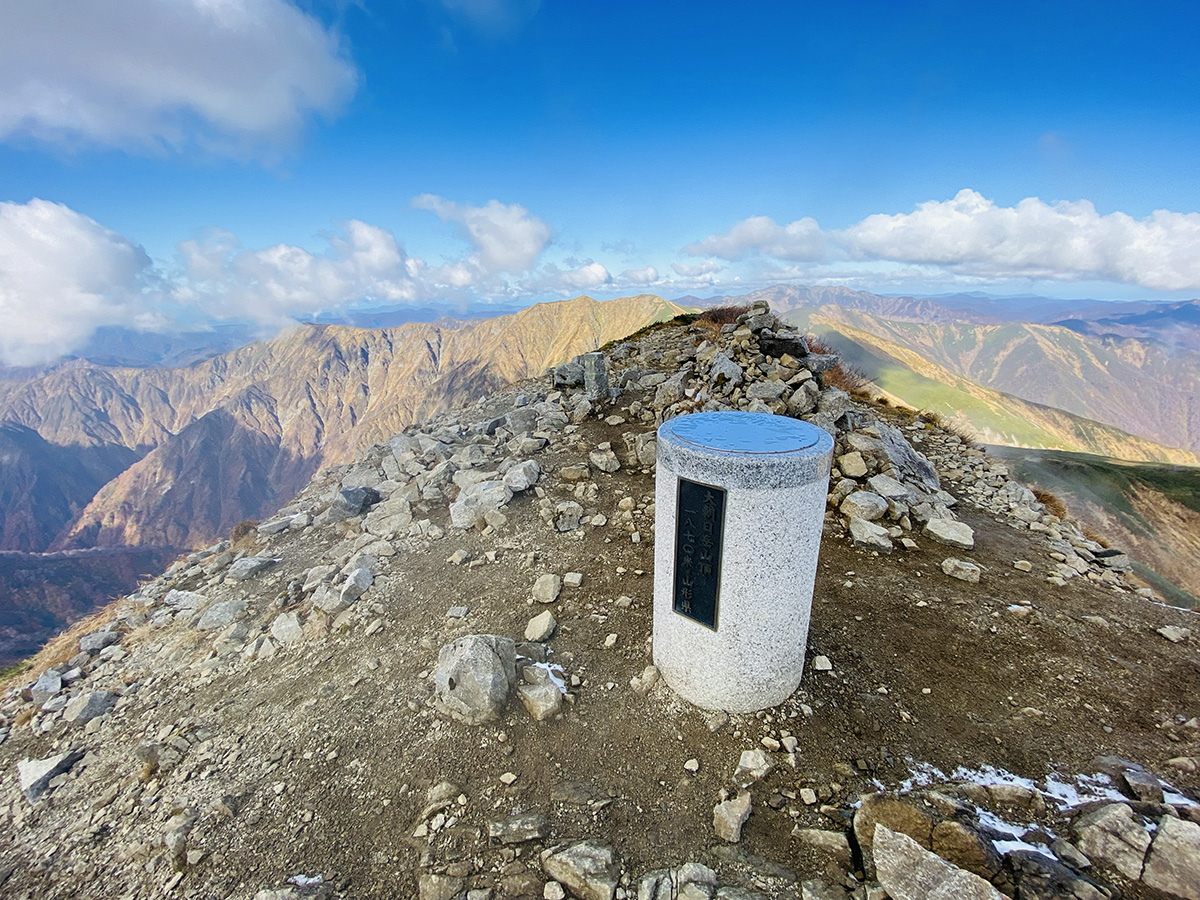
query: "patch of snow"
1083, 789
555, 673
1003, 847
306, 880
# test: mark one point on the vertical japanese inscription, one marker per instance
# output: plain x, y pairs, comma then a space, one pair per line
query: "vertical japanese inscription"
699, 527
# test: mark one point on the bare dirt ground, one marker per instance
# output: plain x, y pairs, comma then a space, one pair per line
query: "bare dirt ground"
327, 750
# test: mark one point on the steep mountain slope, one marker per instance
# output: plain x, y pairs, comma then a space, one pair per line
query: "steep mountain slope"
311, 396
1152, 511
1129, 395
43, 486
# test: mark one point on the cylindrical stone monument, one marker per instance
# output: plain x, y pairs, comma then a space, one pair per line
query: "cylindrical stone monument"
739, 504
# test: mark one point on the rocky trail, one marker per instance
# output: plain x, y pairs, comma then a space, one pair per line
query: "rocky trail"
430, 676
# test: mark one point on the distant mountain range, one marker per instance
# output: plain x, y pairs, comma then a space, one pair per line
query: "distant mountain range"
164, 443
161, 456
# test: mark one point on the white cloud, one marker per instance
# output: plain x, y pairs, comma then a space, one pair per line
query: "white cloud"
801, 240
363, 262
231, 75
970, 237
506, 236
553, 279
63, 275
648, 275
1039, 240
699, 270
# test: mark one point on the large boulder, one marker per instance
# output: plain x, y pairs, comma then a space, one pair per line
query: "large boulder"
476, 501
589, 870
907, 871
1113, 835
1173, 866
474, 676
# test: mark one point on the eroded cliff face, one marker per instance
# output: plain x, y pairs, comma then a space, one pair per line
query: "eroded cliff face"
232, 437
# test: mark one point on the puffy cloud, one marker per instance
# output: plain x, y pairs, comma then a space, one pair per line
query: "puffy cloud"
506, 236
700, 269
970, 237
1039, 240
232, 75
63, 275
801, 240
648, 275
553, 279
363, 262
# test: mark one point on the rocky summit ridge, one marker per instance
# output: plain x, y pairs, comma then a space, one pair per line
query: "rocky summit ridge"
429, 676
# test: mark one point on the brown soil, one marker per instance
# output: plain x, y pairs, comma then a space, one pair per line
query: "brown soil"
331, 747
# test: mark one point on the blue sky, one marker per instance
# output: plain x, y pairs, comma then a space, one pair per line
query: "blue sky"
258, 159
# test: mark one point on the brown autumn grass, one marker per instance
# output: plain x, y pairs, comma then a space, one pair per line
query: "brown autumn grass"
58, 649
1054, 506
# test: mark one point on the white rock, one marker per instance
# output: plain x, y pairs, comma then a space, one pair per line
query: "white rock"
864, 505
541, 627
546, 589
286, 629
950, 532
730, 816
907, 871
963, 571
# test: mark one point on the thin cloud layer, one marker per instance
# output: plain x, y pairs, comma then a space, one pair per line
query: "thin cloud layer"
62, 276
971, 237
229, 75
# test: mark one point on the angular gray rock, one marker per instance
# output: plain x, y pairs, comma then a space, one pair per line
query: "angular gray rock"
864, 505
48, 684
730, 816
541, 627
522, 476
604, 459
357, 583
519, 829
474, 676
219, 615
476, 501
567, 516
35, 775
888, 487
547, 588
542, 700
766, 390
963, 571
950, 532
98, 640
285, 629
869, 536
589, 870
351, 502
726, 371
85, 707
907, 871
249, 566
1113, 835
1173, 865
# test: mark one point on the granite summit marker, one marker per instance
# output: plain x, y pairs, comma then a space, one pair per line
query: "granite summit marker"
740, 501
